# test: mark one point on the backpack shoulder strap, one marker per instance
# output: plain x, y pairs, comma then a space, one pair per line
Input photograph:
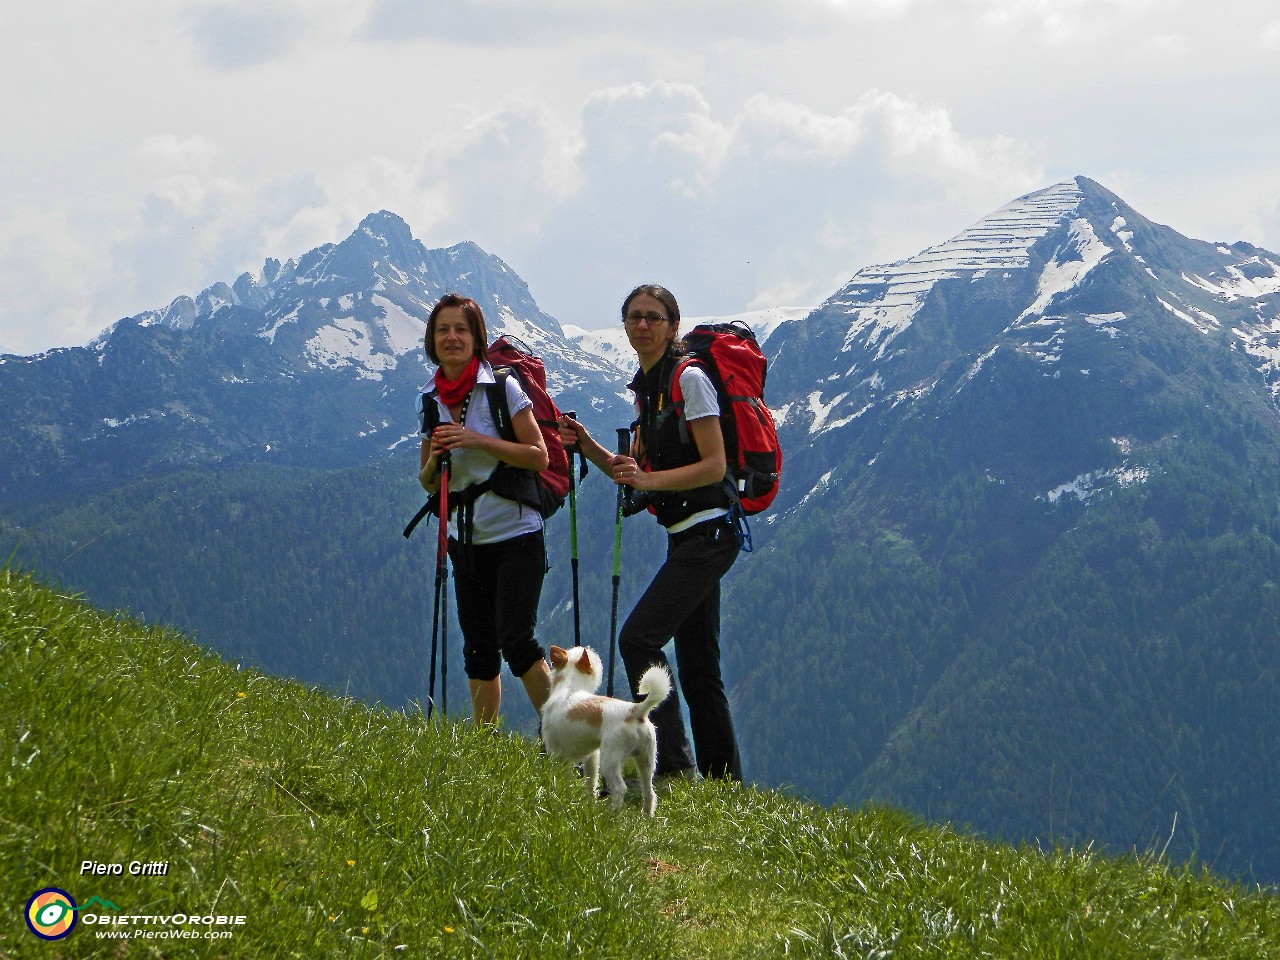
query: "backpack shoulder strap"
498, 405
676, 395
430, 418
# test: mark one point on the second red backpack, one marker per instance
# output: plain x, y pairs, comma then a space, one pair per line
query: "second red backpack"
738, 368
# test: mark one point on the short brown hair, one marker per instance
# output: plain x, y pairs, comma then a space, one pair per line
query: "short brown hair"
475, 320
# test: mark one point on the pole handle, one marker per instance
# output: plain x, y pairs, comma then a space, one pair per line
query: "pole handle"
573, 447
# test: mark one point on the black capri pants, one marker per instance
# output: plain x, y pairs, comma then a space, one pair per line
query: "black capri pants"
498, 586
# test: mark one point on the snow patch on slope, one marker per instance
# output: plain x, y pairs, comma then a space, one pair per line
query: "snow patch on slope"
1263, 343
1125, 236
1084, 252
348, 343
1089, 484
1240, 284
404, 331
821, 411
1202, 321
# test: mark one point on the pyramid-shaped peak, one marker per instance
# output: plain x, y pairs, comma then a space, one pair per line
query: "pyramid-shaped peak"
1092, 190
387, 226
1012, 230
1044, 207
999, 241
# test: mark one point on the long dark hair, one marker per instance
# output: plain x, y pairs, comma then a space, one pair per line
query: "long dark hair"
475, 320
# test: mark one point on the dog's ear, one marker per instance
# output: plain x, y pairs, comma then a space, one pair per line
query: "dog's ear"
559, 657
584, 663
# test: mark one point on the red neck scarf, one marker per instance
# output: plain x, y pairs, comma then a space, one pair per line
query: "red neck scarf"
453, 392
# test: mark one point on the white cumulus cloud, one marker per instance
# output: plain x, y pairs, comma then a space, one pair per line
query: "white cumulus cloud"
777, 197
742, 151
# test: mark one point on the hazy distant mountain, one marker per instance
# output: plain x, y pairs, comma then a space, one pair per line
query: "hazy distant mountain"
313, 361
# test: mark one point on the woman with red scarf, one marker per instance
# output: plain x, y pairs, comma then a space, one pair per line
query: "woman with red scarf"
499, 559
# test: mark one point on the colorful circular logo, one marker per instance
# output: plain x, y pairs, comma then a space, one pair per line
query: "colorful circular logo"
51, 913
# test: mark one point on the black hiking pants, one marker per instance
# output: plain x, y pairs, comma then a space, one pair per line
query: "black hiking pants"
683, 603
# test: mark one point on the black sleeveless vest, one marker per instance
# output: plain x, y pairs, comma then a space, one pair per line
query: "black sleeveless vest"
667, 444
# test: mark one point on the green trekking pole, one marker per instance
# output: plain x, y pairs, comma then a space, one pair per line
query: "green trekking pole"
624, 447
573, 534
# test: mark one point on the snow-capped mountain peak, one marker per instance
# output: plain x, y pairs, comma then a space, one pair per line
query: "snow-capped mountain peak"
1044, 277
883, 299
361, 304
1000, 241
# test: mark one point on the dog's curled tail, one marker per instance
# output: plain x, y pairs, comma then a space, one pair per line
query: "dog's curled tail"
655, 685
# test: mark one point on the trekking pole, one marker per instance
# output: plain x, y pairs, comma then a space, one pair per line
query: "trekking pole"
435, 636
442, 551
441, 581
573, 535
624, 447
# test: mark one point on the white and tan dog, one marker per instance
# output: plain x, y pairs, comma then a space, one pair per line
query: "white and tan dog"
601, 732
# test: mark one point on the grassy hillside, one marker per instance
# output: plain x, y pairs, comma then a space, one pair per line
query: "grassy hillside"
303, 573
336, 830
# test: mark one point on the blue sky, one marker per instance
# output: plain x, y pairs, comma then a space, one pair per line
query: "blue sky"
746, 154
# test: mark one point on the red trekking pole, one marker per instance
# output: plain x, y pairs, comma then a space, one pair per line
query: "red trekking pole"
440, 615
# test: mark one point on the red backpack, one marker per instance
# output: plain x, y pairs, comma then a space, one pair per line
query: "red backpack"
509, 355
737, 368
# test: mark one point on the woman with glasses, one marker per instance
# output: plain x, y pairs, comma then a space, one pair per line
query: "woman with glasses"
677, 462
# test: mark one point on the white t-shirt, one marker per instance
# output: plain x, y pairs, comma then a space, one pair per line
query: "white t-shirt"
494, 518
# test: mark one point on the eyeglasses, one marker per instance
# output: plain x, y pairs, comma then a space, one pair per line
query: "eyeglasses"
632, 320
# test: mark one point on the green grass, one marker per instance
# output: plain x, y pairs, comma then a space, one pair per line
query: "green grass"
337, 830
